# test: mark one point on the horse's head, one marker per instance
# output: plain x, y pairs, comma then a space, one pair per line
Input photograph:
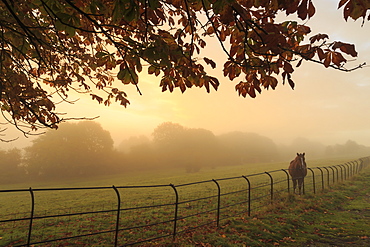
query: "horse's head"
302, 161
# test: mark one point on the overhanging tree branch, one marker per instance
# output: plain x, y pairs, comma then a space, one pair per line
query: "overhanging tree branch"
80, 45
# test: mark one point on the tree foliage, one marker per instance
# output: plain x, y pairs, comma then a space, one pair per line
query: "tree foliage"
80, 149
350, 148
243, 148
11, 169
85, 149
51, 47
190, 148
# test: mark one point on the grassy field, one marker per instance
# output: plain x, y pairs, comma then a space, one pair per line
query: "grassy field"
139, 200
339, 217
175, 176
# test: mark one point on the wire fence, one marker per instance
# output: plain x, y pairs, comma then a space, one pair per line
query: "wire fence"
129, 215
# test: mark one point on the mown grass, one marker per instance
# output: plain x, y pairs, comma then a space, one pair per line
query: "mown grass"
74, 201
338, 217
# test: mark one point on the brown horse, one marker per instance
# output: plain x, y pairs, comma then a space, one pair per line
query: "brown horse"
298, 170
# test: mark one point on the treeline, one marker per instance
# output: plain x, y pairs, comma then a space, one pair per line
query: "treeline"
85, 149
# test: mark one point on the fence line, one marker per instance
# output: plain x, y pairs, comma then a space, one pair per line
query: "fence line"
154, 211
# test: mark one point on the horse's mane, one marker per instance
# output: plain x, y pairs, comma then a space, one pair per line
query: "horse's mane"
296, 159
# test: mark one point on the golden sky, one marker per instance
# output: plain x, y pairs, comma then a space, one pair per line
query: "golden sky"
326, 105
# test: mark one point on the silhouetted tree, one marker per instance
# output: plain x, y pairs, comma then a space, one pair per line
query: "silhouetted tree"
80, 149
311, 148
185, 147
133, 141
242, 148
350, 148
11, 170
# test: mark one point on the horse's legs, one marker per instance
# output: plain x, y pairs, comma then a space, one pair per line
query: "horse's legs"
300, 183
294, 185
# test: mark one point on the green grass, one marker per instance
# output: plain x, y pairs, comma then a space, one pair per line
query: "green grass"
339, 217
17, 205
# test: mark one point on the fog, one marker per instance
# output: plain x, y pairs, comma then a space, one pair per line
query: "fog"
85, 150
326, 108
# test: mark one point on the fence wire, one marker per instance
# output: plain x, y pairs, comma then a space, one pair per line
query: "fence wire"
129, 215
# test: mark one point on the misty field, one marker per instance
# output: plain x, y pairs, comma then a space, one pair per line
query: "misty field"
89, 207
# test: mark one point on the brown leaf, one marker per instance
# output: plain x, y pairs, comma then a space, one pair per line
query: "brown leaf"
242, 88
182, 87
320, 53
292, 7
226, 15
318, 37
341, 3
327, 60
233, 49
269, 81
288, 67
299, 63
349, 49
311, 9
291, 83
302, 10
284, 74
210, 62
337, 58
346, 48
347, 10
214, 82
251, 91
96, 97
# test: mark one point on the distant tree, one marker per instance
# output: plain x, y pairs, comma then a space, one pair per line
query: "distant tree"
311, 148
132, 142
350, 148
168, 140
168, 133
190, 148
11, 170
143, 156
200, 149
52, 47
76, 149
242, 148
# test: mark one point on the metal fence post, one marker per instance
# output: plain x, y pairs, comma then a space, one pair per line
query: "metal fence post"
344, 171
328, 175
333, 173
118, 214
218, 202
341, 171
347, 171
350, 171
335, 167
271, 186
176, 211
322, 178
287, 178
249, 195
313, 180
357, 165
31, 217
